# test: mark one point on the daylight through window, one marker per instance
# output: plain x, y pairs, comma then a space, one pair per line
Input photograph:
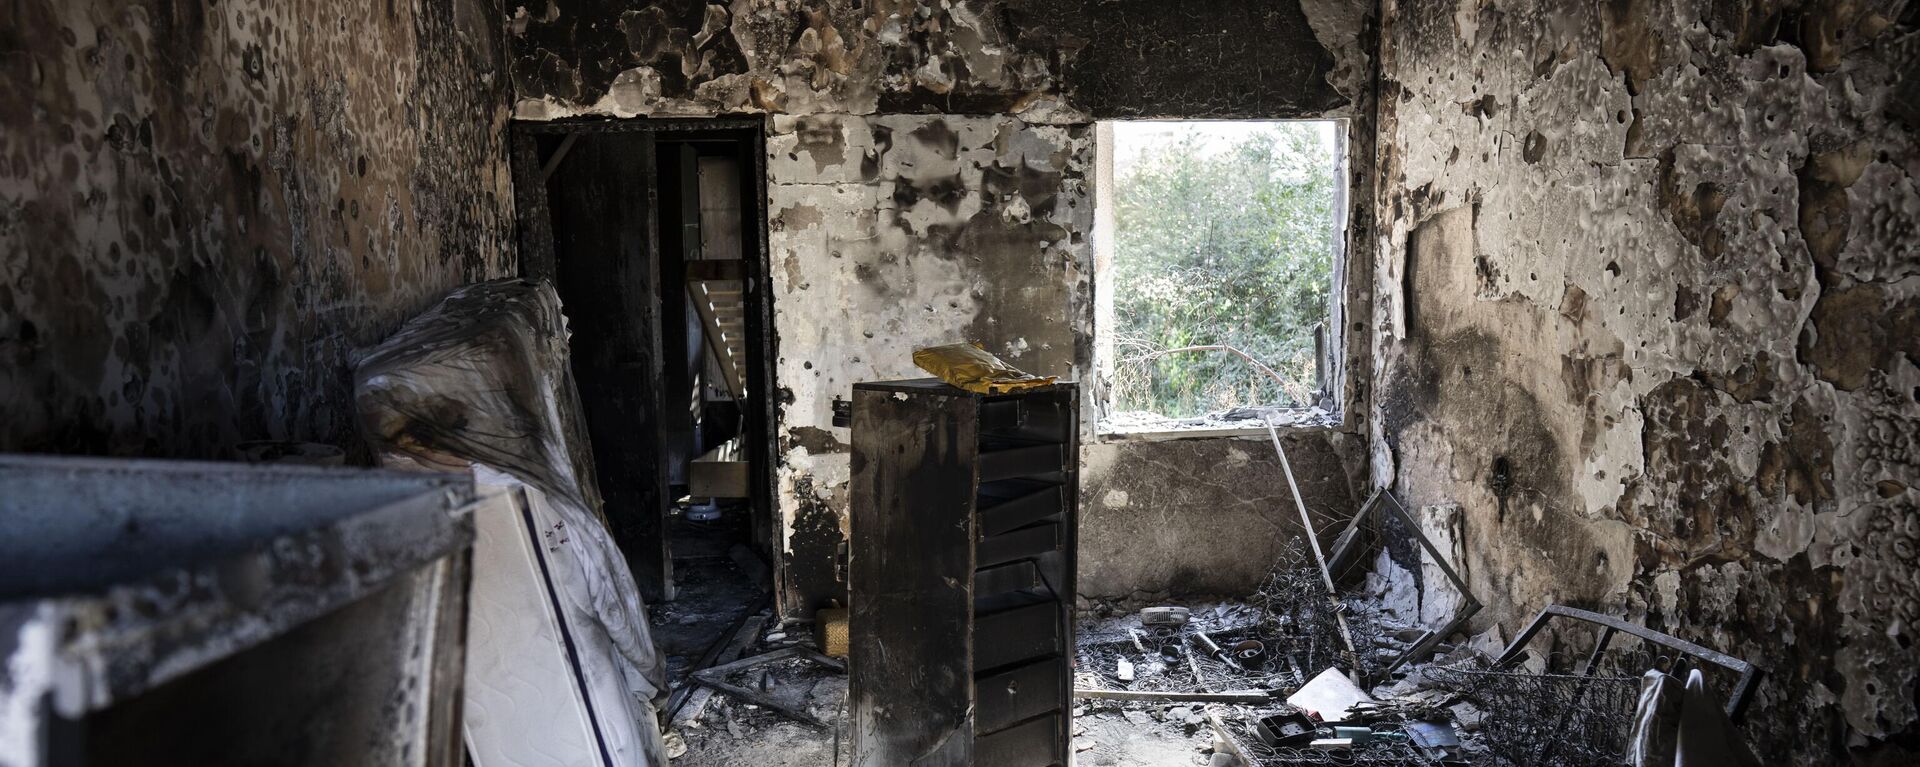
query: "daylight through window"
1218, 266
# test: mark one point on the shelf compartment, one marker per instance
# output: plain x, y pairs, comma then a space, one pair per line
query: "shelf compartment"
1019, 634
1030, 461
1033, 743
1024, 418
1023, 543
1006, 698
1017, 512
989, 582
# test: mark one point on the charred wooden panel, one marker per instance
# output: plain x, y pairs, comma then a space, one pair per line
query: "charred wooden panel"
961, 639
602, 197
909, 590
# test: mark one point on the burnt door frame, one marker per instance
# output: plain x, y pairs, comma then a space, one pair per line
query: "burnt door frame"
539, 148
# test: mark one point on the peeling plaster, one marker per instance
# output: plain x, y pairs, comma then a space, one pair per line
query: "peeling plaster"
911, 231
1673, 250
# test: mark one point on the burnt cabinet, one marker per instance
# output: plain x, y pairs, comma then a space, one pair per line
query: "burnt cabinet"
961, 575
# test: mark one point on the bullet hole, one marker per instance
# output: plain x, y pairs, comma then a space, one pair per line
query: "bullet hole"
807, 365
1621, 116
1533, 276
1466, 371
362, 170
1613, 268
253, 62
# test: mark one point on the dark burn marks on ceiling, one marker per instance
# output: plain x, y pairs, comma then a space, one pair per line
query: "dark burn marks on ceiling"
1044, 59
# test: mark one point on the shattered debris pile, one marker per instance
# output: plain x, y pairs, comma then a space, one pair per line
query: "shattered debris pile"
1286, 632
802, 684
1274, 679
1384, 743
1162, 659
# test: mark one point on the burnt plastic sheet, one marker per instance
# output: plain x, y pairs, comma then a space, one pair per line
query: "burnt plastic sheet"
481, 382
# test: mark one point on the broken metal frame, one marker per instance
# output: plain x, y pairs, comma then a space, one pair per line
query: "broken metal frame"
716, 678
1333, 592
1432, 638
1749, 674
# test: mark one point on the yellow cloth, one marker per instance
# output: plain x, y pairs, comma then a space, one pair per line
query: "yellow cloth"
972, 368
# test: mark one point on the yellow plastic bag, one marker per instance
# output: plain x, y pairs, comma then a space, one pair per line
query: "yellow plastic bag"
972, 368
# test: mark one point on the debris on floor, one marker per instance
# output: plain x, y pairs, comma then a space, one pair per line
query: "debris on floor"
1267, 681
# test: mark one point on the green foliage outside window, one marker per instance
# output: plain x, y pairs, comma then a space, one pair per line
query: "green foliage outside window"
1221, 245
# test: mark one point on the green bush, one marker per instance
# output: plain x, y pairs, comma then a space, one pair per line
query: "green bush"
1228, 247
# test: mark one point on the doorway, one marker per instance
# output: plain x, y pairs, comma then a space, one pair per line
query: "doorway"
654, 234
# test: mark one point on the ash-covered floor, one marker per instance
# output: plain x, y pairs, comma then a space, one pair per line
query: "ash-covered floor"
1194, 683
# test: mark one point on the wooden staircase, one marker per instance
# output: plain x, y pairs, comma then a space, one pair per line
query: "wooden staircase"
717, 288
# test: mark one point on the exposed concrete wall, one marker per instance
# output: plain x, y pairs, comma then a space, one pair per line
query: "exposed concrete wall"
930, 171
205, 206
1204, 516
1660, 257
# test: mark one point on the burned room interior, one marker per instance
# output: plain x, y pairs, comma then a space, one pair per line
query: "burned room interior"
1013, 383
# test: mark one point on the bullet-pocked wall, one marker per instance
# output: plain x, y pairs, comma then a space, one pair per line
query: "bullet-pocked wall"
1660, 257
205, 206
930, 169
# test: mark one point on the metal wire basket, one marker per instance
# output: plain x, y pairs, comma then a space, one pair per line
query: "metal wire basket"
1533, 719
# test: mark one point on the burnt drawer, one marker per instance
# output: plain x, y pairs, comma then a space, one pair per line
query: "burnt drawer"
1035, 743
1011, 636
1025, 418
1005, 698
1031, 461
1018, 576
1024, 543
1020, 511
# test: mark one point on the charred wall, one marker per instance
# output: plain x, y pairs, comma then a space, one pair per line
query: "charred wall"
205, 206
1659, 257
930, 179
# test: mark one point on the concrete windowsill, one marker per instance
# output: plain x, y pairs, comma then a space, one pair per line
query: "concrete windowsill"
1312, 419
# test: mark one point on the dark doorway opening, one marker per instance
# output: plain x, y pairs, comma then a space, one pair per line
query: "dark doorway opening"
654, 234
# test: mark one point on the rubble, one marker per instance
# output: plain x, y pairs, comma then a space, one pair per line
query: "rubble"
1268, 676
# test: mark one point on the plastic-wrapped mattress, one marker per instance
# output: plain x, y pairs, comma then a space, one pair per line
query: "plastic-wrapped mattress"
481, 381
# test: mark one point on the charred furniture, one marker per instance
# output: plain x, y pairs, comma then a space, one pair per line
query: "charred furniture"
176, 613
961, 575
